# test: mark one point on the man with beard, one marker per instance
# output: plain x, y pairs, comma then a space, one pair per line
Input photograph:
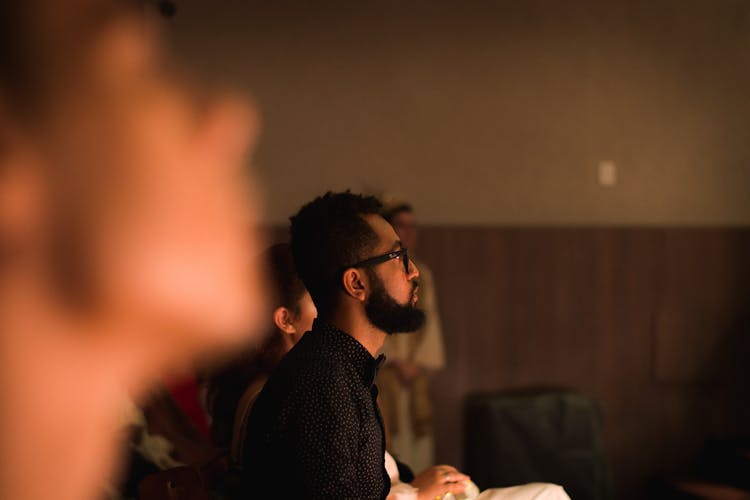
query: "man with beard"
315, 430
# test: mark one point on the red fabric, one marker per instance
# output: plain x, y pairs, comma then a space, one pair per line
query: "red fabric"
185, 393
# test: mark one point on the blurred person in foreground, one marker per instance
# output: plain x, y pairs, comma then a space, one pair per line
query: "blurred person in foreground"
404, 380
125, 231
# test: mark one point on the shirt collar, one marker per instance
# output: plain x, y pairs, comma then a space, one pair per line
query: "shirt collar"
360, 358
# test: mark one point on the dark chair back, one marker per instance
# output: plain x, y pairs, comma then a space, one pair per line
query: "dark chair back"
545, 436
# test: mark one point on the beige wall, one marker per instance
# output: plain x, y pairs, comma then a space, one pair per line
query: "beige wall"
495, 112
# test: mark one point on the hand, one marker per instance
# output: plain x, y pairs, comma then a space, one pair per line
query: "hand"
439, 480
407, 371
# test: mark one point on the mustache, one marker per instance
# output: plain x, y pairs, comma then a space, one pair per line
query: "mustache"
414, 286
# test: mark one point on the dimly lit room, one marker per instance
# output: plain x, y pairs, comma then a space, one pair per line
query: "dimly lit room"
520, 231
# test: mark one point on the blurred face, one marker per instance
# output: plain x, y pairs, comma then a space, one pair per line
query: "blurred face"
153, 188
406, 228
132, 229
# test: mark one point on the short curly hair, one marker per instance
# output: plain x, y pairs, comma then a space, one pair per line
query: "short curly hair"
327, 235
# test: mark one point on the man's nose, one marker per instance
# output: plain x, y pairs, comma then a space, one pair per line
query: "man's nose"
413, 270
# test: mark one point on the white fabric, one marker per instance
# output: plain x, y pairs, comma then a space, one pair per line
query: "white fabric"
402, 491
417, 451
531, 491
391, 468
399, 490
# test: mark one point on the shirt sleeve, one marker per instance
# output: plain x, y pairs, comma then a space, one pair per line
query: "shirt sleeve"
326, 427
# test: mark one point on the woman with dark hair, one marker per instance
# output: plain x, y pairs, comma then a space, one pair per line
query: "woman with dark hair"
233, 387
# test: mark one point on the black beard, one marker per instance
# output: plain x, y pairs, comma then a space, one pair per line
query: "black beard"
388, 315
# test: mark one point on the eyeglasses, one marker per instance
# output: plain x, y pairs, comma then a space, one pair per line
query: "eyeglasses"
374, 261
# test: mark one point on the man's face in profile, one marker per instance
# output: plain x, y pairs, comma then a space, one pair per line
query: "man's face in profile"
392, 303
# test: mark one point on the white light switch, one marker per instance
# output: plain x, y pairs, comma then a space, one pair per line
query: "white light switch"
607, 173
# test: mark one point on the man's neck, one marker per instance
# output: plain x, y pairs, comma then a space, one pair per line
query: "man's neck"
357, 326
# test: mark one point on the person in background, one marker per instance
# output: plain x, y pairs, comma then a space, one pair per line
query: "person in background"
233, 387
404, 380
125, 226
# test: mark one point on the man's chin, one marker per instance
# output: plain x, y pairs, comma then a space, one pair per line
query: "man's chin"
392, 317
414, 323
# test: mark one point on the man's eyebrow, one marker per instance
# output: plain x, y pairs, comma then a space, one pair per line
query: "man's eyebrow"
397, 246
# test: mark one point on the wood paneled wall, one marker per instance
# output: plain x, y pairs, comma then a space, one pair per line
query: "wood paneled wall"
651, 322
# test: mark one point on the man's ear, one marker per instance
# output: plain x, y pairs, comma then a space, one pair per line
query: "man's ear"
283, 318
355, 283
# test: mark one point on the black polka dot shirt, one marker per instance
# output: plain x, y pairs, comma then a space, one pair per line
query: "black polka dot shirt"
315, 430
